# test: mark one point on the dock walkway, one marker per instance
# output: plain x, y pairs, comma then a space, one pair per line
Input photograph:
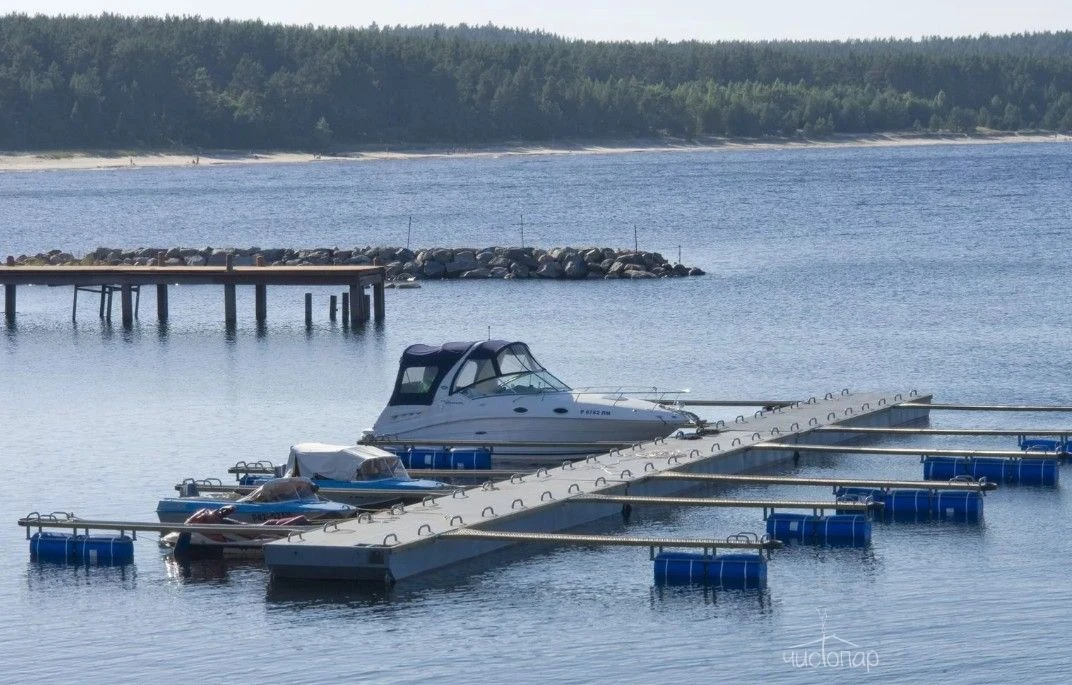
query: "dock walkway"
129, 279
423, 537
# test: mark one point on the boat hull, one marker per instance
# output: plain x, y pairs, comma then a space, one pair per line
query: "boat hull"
178, 509
539, 440
377, 493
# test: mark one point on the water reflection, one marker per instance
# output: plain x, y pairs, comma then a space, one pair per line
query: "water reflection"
663, 596
43, 576
212, 570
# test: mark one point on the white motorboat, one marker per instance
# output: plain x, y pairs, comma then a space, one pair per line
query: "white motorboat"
494, 392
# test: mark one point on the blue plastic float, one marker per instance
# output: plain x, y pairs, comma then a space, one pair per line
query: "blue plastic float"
738, 571
852, 530
67, 548
442, 458
1029, 444
1010, 471
920, 505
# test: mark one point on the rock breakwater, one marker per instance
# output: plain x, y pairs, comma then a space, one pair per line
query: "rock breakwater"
403, 263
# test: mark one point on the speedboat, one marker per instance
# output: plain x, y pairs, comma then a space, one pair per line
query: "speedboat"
358, 474
238, 538
495, 393
275, 499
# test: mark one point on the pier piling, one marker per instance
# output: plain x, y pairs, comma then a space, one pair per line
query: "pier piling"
161, 302
127, 298
346, 309
261, 297
333, 303
356, 298
230, 316
9, 301
308, 309
377, 300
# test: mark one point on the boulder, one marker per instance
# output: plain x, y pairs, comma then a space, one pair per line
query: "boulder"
551, 269
217, 258
485, 257
639, 273
195, 260
696, 272
575, 267
174, 261
519, 270
433, 269
499, 262
499, 272
477, 273
464, 261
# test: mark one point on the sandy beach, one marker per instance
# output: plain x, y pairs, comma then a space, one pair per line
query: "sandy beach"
130, 160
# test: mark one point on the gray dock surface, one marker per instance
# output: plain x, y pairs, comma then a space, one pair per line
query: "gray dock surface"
407, 541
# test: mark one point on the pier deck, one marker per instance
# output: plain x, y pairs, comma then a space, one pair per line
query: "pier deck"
419, 538
126, 279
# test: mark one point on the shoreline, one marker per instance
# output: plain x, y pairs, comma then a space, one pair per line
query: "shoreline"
135, 159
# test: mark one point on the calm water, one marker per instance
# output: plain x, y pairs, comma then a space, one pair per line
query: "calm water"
892, 269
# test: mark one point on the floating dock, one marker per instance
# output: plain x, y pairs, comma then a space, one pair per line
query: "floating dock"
128, 280
420, 538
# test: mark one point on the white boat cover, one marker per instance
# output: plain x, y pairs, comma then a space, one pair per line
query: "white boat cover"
340, 462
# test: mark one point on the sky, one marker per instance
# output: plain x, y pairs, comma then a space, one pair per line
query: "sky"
637, 20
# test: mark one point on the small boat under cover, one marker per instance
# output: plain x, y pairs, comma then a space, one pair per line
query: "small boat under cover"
377, 477
495, 391
275, 499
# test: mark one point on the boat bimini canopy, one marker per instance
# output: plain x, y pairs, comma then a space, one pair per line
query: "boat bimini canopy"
490, 367
343, 462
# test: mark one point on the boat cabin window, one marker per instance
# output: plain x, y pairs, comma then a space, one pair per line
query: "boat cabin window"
384, 467
473, 371
513, 371
418, 380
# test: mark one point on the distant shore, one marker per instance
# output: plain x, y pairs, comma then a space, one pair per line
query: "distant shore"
135, 159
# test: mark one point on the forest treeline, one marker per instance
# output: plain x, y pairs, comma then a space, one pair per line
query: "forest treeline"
115, 82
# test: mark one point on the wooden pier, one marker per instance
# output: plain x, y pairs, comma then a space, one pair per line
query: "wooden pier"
128, 281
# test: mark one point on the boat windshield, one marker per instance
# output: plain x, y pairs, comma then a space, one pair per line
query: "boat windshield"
513, 371
381, 468
284, 490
